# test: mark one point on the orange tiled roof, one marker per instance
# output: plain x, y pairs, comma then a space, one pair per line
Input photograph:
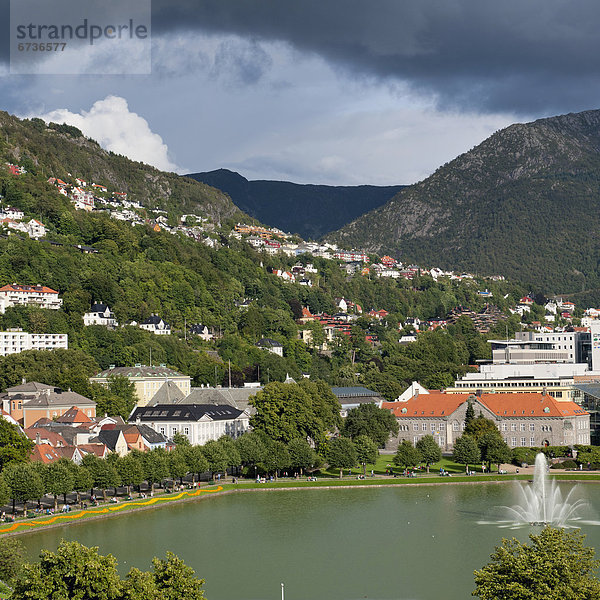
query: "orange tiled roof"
434, 404
74, 415
40, 289
44, 453
439, 404
529, 404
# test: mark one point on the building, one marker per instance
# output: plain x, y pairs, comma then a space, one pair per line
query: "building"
100, 314
147, 380
29, 402
156, 325
200, 423
557, 379
30, 295
523, 419
16, 340
530, 347
353, 397
271, 345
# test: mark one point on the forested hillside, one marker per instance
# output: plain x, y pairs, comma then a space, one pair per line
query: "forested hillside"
60, 150
143, 269
524, 203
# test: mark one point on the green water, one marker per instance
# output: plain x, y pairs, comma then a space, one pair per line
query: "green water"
407, 542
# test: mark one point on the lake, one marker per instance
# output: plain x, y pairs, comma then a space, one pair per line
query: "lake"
405, 542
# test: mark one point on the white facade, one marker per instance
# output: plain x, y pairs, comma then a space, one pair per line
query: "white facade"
32, 295
100, 314
14, 341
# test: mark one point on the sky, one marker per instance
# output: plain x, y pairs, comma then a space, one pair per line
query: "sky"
341, 92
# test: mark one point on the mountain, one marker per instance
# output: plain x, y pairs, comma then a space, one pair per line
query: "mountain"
57, 150
524, 204
309, 210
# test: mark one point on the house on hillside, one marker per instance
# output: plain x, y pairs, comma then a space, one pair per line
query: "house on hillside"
100, 314
29, 295
271, 345
156, 325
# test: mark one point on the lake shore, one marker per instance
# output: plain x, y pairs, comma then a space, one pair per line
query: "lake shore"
24, 526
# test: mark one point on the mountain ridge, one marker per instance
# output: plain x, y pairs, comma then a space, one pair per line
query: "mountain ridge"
523, 204
310, 210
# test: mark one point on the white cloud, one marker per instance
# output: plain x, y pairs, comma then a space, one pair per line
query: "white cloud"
116, 128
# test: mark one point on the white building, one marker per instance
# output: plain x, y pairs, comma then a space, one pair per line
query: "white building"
31, 295
14, 341
200, 423
100, 314
156, 325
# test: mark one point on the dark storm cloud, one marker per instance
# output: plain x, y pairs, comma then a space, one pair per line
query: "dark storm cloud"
527, 56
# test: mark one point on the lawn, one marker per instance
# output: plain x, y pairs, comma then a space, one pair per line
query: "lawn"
386, 461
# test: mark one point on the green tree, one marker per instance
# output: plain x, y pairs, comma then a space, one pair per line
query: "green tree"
429, 450
217, 456
251, 446
59, 480
341, 454
74, 571
302, 456
14, 446
181, 440
480, 426
196, 461
366, 451
466, 451
12, 559
178, 467
25, 483
372, 421
276, 458
470, 414
156, 466
82, 479
494, 449
175, 579
407, 455
131, 469
554, 566
285, 411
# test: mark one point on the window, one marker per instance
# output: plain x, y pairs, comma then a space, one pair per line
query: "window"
424, 427
186, 430
532, 441
513, 427
531, 426
162, 430
415, 427
433, 427
522, 426
441, 427
504, 426
523, 441
455, 426
513, 441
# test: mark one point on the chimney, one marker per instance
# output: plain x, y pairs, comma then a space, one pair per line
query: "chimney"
38, 439
544, 391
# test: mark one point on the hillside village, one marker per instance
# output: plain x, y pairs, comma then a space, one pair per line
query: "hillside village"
546, 371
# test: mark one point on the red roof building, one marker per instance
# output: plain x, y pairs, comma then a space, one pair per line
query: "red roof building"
523, 419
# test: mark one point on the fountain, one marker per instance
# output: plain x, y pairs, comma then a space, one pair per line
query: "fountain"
542, 502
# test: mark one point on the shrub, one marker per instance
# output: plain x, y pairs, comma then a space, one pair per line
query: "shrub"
565, 464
